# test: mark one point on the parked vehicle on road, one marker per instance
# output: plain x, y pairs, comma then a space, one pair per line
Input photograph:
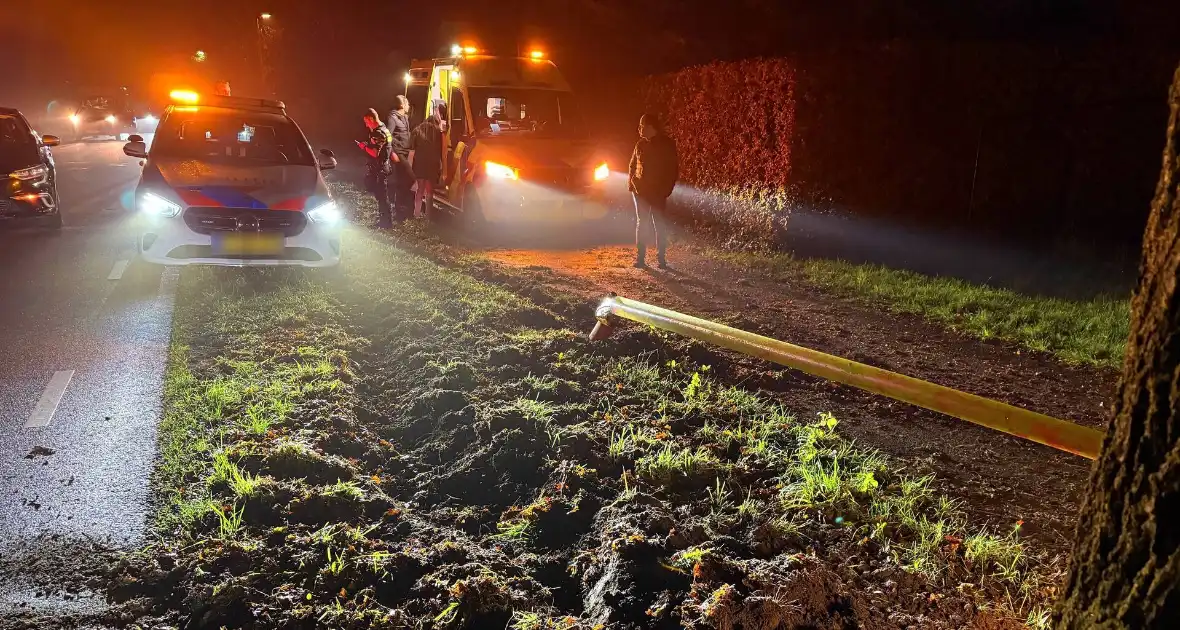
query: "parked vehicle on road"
233, 181
26, 162
516, 146
103, 116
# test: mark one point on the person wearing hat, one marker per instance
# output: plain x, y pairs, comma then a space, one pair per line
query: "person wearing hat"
652, 176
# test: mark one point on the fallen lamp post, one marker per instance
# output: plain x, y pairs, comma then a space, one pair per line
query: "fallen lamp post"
1030, 425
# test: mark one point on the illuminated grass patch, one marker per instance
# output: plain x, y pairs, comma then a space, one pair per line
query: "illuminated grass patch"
1091, 332
409, 444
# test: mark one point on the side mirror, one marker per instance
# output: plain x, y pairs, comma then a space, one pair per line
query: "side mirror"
50, 141
327, 160
135, 148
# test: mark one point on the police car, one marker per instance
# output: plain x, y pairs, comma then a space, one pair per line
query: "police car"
233, 181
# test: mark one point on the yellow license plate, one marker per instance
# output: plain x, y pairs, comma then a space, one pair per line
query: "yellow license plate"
247, 244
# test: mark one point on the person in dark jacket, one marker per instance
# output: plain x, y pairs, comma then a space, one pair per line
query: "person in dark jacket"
401, 180
426, 159
653, 172
377, 167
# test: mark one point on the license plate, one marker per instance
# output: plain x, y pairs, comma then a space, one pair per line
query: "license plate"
247, 244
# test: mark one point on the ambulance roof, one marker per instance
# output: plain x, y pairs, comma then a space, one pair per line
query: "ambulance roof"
488, 71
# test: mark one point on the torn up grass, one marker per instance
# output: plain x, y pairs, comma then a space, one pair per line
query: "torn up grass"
1089, 332
252, 357
429, 449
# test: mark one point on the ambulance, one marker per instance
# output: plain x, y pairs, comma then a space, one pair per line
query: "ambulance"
516, 145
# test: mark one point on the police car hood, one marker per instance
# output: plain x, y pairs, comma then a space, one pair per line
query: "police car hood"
524, 152
210, 184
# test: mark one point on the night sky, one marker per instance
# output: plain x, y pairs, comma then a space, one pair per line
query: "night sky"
53, 47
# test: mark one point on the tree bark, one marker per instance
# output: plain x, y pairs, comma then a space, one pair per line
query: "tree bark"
1125, 571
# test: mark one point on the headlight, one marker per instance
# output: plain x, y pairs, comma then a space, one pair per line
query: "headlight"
602, 172
499, 171
111, 119
328, 214
35, 172
153, 204
74, 118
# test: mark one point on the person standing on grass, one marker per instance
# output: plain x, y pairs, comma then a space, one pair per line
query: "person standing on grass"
402, 178
378, 148
652, 175
426, 160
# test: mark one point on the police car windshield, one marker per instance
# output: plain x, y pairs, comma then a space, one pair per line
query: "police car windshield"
233, 136
509, 110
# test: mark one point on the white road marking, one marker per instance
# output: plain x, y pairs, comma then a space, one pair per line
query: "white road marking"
118, 269
43, 413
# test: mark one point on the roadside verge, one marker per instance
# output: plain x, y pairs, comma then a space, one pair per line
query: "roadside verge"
408, 443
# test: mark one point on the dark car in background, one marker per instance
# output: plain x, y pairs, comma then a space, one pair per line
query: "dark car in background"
103, 116
30, 178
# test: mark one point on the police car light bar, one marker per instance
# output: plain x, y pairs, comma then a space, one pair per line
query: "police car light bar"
243, 101
188, 97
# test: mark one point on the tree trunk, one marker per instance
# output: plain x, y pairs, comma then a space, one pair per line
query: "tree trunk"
1125, 571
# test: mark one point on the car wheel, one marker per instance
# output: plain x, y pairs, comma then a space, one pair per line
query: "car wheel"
54, 222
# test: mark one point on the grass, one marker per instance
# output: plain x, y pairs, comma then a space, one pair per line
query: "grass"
448, 614
902, 512
345, 490
263, 414
639, 376
620, 441
242, 484
1087, 332
229, 521
1005, 556
820, 474
248, 380
670, 462
536, 621
512, 530
537, 411
335, 563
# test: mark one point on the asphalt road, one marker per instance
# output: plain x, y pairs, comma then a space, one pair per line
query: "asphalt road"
84, 332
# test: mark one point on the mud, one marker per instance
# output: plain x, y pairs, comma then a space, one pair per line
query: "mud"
463, 477
1000, 479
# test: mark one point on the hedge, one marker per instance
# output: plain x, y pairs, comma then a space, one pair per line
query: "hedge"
734, 125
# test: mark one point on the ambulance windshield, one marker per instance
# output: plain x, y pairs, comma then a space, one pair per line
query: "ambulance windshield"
515, 110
